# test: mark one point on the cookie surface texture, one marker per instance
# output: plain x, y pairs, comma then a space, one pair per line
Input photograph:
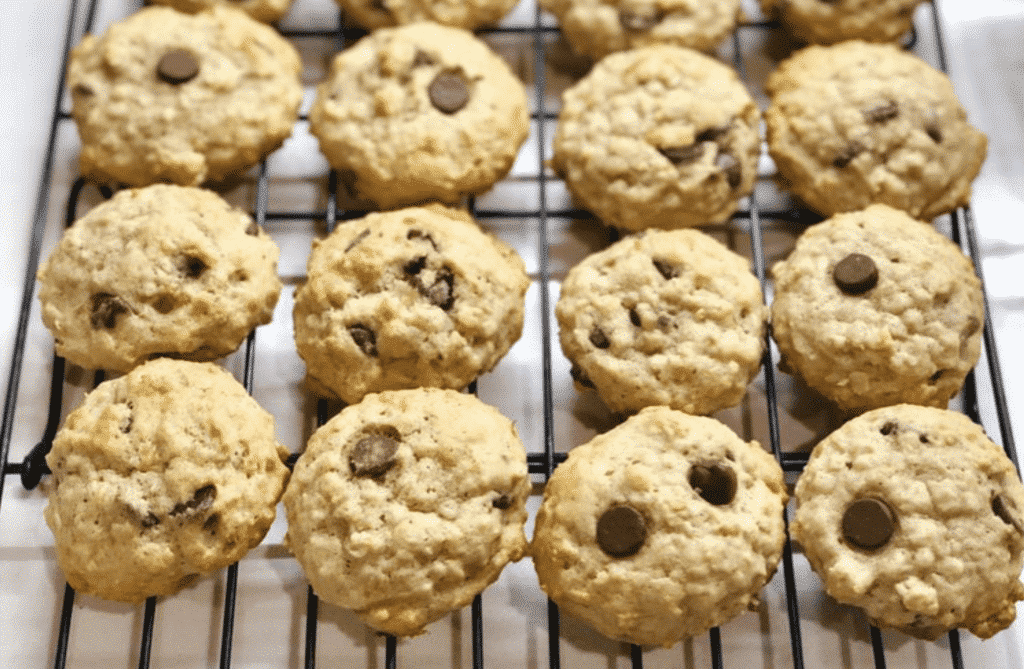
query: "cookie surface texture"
139, 126
161, 270
911, 338
855, 124
163, 474
954, 550
668, 317
469, 14
406, 505
418, 113
408, 298
701, 562
658, 137
833, 21
268, 11
596, 28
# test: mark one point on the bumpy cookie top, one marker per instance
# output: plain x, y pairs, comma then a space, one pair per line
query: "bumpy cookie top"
160, 475
598, 27
468, 14
659, 137
420, 112
182, 98
874, 308
830, 21
913, 514
663, 317
408, 298
267, 11
161, 270
855, 123
661, 528
406, 505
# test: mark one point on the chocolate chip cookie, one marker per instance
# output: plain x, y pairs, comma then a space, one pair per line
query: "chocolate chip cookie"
467, 14
418, 113
914, 515
667, 317
658, 137
831, 21
405, 506
408, 298
268, 11
661, 528
874, 308
856, 123
161, 475
164, 96
163, 270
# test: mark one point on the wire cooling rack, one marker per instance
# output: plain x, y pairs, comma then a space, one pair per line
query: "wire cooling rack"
260, 612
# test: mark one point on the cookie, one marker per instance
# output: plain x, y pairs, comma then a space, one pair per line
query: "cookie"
660, 528
268, 11
468, 14
163, 270
405, 506
418, 113
161, 475
831, 21
408, 298
596, 28
914, 515
874, 308
164, 96
856, 123
668, 317
658, 136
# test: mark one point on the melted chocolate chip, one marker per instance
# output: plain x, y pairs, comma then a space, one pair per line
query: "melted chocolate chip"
253, 229
364, 338
1001, 508
448, 92
193, 267
934, 132
730, 167
177, 67
202, 499
373, 455
715, 483
150, 520
212, 522
847, 155
881, 113
634, 317
621, 531
682, 154
889, 427
441, 293
855, 274
639, 21
415, 266
868, 523
419, 234
665, 269
502, 501
598, 338
106, 307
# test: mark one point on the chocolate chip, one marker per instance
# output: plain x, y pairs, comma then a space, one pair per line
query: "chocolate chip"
665, 269
415, 266
714, 482
177, 66
150, 520
193, 267
889, 427
373, 455
202, 499
364, 338
212, 522
868, 523
598, 338
621, 531
682, 154
502, 501
441, 292
360, 237
855, 274
934, 132
934, 378
847, 155
580, 377
730, 167
634, 317
881, 113
1001, 508
253, 229
639, 21
106, 307
448, 92
419, 234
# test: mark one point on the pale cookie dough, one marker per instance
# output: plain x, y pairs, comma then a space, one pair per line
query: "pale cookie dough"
907, 328
405, 506
161, 475
158, 271
663, 317
857, 123
268, 11
418, 113
596, 28
165, 96
661, 528
831, 21
408, 298
660, 137
467, 14
914, 515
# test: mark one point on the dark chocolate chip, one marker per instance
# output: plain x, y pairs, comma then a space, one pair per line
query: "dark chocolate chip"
448, 92
934, 132
883, 112
665, 269
1001, 508
177, 66
253, 229
714, 482
212, 522
639, 21
360, 237
202, 499
682, 154
868, 523
373, 456
150, 520
855, 274
502, 501
598, 338
441, 293
847, 155
193, 267
889, 427
106, 307
634, 317
419, 234
364, 338
621, 531
415, 266
730, 167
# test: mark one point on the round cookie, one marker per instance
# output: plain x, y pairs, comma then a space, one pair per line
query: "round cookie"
408, 298
658, 136
668, 317
661, 528
874, 308
596, 28
268, 11
420, 112
163, 270
165, 96
914, 515
405, 506
466, 14
856, 123
161, 475
831, 21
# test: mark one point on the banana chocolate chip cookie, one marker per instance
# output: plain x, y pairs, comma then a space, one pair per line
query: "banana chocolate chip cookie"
467, 14
268, 11
831, 21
